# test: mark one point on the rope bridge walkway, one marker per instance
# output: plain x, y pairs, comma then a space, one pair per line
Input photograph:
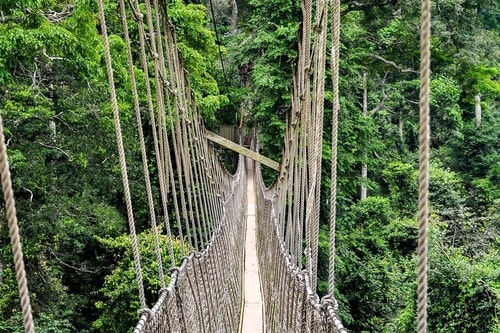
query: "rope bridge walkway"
217, 287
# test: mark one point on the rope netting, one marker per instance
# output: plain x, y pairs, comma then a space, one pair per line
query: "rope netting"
207, 202
288, 211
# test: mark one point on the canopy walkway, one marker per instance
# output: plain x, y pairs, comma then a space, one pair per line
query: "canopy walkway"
261, 280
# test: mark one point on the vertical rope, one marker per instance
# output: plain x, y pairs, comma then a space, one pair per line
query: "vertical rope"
161, 160
15, 239
187, 165
121, 153
424, 142
144, 157
335, 27
169, 45
320, 73
306, 116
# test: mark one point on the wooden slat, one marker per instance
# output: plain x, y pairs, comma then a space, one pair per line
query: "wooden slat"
242, 150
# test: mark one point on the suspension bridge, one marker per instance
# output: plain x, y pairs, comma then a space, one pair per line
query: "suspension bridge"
253, 250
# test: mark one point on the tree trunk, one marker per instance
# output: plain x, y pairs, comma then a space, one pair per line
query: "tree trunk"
364, 169
52, 126
478, 110
401, 126
234, 17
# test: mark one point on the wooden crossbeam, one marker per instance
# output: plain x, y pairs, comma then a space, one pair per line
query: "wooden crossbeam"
242, 150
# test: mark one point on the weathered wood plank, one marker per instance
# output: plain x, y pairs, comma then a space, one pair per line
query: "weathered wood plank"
242, 150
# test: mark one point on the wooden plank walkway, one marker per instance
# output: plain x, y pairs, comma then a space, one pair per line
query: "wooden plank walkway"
252, 309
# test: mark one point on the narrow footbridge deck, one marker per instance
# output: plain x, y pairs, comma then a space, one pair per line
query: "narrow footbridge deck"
252, 310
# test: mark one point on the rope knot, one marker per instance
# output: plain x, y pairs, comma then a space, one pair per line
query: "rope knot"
329, 300
138, 16
145, 312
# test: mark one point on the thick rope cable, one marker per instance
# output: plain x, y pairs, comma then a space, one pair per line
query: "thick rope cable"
203, 186
424, 143
15, 239
160, 85
194, 180
335, 28
306, 118
156, 131
320, 72
121, 153
145, 166
177, 137
168, 162
188, 166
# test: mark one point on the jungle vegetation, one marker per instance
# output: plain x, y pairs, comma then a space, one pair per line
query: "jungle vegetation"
66, 177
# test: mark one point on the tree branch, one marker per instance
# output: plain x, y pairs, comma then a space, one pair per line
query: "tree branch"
84, 270
392, 63
357, 5
381, 104
7, 19
51, 15
30, 192
56, 17
52, 147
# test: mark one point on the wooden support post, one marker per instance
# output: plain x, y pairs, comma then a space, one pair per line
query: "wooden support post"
242, 150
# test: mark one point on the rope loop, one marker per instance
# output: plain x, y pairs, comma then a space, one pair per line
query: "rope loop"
138, 16
329, 300
145, 312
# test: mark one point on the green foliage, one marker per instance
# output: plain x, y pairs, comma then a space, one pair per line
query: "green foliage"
66, 177
401, 180
482, 80
45, 323
120, 304
446, 113
371, 265
464, 293
200, 55
478, 148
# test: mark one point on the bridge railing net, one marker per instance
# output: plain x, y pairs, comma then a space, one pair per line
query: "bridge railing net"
205, 292
290, 305
288, 211
202, 204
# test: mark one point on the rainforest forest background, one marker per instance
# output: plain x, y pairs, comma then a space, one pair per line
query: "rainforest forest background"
66, 177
